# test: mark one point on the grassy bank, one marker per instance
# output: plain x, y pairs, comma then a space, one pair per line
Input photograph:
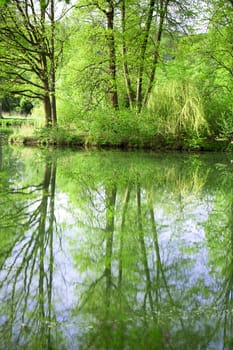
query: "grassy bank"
175, 119
10, 122
61, 136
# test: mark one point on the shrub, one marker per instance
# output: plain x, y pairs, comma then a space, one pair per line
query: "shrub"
122, 127
178, 109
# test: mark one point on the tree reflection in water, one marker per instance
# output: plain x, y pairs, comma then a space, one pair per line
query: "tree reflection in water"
27, 264
144, 267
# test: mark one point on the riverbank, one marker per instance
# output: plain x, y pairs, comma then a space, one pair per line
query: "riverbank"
62, 137
11, 122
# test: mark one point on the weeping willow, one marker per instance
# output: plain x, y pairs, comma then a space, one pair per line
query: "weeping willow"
178, 108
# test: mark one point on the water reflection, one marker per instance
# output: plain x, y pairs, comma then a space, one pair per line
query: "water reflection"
27, 228
115, 251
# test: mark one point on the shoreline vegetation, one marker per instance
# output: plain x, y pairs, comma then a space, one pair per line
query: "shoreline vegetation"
25, 131
116, 74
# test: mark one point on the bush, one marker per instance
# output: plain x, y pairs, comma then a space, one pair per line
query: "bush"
56, 135
219, 111
178, 109
122, 128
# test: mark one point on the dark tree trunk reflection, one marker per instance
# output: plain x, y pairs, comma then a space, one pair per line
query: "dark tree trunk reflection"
31, 302
110, 193
143, 250
227, 304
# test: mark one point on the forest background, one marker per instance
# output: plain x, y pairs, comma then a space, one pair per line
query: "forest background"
153, 73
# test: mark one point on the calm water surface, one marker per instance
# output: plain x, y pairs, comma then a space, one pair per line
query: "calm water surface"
113, 250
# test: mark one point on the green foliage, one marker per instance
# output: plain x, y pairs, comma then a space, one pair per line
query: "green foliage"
192, 99
29, 135
124, 128
55, 135
82, 86
178, 108
26, 106
117, 128
16, 105
225, 125
204, 60
10, 103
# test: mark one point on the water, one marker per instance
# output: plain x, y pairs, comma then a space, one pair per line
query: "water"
115, 250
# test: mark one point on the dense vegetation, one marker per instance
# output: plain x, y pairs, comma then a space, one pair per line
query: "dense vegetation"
151, 74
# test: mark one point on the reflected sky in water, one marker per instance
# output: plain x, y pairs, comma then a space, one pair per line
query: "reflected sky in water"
115, 250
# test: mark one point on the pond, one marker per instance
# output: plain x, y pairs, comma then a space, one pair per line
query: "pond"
115, 250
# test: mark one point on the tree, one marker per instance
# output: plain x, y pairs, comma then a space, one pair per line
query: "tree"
106, 12
151, 21
206, 59
30, 52
161, 13
121, 51
220, 44
110, 13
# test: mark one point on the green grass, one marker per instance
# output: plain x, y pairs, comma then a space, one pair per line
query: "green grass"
45, 136
15, 121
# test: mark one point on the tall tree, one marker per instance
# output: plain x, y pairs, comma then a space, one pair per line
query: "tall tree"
122, 48
151, 20
219, 48
110, 14
30, 56
108, 8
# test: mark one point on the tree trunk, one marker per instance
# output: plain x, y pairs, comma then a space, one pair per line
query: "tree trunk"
46, 97
143, 54
130, 93
112, 56
45, 76
53, 109
47, 111
0, 108
162, 14
1, 155
53, 68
